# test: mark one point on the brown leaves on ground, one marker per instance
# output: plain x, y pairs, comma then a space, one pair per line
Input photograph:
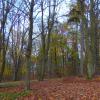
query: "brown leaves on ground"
71, 88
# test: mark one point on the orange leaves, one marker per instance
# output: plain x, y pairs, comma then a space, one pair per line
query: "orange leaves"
71, 88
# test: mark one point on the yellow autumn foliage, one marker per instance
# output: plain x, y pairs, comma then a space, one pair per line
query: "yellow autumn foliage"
8, 71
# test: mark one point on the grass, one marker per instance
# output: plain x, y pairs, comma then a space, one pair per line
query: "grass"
13, 96
10, 84
13, 83
18, 83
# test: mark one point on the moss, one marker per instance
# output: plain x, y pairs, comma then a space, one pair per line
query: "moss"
13, 96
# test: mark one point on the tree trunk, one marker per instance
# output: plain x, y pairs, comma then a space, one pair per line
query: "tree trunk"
3, 45
29, 47
82, 49
93, 34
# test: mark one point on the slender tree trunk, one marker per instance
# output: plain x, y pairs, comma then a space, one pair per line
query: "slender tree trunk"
3, 46
29, 47
15, 71
97, 45
93, 34
42, 67
88, 53
55, 58
63, 61
82, 50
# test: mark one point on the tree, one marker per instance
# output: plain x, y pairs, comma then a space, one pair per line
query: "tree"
29, 46
74, 20
44, 34
6, 7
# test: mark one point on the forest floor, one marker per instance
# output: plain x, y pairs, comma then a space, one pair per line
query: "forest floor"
69, 88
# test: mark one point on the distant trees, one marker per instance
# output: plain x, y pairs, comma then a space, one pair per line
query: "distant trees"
88, 34
57, 54
32, 29
46, 33
6, 7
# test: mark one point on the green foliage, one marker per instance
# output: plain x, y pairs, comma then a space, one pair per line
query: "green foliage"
23, 70
34, 58
75, 12
74, 54
8, 71
74, 15
0, 59
13, 96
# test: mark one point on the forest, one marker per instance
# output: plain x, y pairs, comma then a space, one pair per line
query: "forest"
49, 49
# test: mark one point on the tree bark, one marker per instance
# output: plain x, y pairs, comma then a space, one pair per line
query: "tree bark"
29, 47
